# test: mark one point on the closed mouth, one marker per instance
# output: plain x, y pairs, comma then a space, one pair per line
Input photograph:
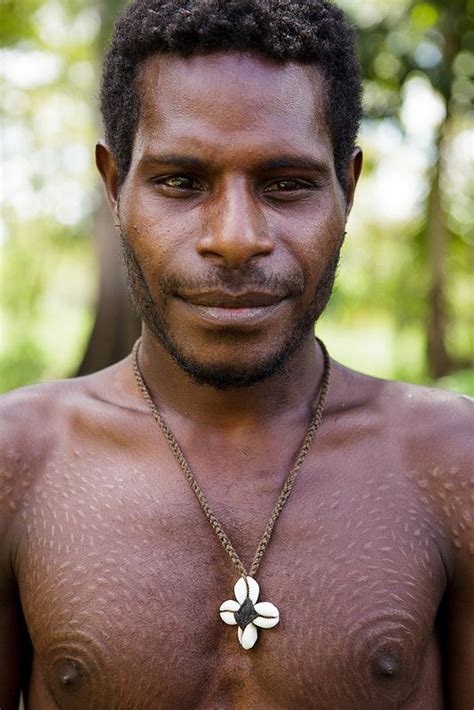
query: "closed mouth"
222, 299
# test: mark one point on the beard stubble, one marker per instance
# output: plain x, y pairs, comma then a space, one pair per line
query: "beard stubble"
224, 377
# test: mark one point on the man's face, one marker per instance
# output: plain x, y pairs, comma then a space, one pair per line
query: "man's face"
232, 215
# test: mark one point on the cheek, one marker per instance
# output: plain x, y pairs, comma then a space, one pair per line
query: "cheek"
155, 235
311, 236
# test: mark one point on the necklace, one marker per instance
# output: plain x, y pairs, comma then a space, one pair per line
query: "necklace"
244, 612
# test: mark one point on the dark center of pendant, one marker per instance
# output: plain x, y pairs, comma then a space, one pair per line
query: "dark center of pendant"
246, 614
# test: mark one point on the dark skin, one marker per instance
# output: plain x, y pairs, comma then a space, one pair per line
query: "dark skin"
106, 557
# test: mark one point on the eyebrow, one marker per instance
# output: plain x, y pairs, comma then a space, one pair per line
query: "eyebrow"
304, 162
281, 162
173, 159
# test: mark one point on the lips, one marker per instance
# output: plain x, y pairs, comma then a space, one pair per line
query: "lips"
222, 309
222, 299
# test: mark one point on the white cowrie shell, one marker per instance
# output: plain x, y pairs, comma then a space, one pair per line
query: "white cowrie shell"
246, 587
227, 611
268, 615
254, 589
265, 622
229, 605
248, 636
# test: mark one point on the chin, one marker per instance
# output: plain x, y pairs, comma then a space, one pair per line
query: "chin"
238, 362
226, 376
227, 372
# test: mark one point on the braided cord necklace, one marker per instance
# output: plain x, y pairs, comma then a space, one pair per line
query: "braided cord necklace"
244, 611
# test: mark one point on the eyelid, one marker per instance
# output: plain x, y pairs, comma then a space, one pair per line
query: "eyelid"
301, 184
161, 180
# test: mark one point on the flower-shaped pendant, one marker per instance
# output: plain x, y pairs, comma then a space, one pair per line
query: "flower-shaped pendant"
247, 613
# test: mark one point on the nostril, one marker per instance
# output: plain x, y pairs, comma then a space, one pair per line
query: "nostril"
234, 251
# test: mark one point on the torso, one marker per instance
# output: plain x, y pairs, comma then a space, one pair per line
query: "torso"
121, 576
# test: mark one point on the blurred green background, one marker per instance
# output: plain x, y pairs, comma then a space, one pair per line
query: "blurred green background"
403, 306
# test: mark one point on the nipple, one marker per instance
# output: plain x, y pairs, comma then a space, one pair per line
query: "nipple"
69, 672
386, 664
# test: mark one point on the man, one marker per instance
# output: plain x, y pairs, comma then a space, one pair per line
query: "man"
230, 165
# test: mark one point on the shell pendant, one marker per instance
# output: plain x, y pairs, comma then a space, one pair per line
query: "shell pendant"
245, 612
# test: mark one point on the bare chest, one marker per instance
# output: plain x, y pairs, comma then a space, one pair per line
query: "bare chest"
121, 586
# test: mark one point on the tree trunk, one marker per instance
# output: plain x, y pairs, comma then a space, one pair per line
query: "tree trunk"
437, 233
439, 362
116, 327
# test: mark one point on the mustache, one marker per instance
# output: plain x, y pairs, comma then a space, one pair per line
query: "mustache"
251, 278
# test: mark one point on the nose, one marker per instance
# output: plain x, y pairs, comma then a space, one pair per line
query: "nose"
234, 230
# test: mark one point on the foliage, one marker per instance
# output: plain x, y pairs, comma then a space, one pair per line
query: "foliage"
419, 68
47, 271
17, 25
398, 266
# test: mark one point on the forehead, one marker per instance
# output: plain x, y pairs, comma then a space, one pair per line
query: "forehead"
222, 101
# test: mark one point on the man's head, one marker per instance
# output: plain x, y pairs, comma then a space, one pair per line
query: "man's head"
232, 174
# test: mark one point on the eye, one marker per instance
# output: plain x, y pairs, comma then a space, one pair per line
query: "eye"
287, 185
183, 183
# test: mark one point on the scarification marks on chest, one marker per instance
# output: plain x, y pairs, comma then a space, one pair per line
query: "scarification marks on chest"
370, 596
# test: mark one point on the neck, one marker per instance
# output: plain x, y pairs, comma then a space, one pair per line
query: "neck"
292, 389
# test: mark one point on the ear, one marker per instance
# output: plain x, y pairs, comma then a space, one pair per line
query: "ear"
352, 176
107, 167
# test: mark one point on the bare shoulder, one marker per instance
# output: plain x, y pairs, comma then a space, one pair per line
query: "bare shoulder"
35, 421
433, 422
439, 436
29, 419
435, 427
430, 432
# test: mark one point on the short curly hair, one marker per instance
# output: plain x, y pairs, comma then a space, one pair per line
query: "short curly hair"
307, 31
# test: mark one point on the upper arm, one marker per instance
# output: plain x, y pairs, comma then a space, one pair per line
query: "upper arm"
20, 450
455, 492
440, 433
10, 643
